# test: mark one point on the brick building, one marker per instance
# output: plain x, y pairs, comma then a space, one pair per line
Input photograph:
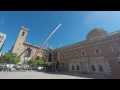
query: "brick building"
98, 54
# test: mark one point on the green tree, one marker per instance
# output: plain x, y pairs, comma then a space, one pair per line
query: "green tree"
32, 62
47, 64
40, 62
2, 60
29, 62
16, 59
10, 58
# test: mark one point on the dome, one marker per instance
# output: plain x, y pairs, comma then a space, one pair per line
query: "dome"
96, 33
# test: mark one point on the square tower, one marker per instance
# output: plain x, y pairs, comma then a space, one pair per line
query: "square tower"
19, 47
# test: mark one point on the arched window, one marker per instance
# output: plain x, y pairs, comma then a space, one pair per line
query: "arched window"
93, 68
97, 50
68, 55
77, 67
118, 62
100, 68
28, 52
73, 68
23, 33
83, 52
63, 56
75, 54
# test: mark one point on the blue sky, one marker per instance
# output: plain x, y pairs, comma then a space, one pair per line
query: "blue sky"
74, 28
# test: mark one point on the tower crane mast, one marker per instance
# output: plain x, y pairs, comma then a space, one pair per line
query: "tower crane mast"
40, 48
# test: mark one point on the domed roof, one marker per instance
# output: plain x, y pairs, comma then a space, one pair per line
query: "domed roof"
96, 33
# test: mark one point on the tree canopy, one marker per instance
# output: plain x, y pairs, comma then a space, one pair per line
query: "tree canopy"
39, 63
10, 57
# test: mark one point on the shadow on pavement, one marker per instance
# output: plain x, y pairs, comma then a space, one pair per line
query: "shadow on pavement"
75, 74
90, 76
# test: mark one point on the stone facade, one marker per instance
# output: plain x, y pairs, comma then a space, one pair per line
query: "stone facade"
23, 48
2, 53
98, 54
2, 40
47, 54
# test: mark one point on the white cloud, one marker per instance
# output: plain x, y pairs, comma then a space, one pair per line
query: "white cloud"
93, 16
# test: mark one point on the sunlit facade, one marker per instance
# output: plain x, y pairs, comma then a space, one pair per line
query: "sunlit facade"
25, 49
2, 40
98, 54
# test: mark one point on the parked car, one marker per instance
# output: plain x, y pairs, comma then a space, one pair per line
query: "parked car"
3, 67
34, 68
18, 67
40, 68
12, 69
22, 67
10, 65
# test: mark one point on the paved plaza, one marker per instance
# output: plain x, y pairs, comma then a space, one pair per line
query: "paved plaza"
46, 75
41, 75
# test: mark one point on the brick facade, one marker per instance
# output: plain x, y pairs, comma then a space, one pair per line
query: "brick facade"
93, 52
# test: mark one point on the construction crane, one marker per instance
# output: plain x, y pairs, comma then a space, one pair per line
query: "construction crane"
40, 48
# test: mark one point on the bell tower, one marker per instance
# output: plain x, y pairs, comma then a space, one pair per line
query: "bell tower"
23, 33
19, 46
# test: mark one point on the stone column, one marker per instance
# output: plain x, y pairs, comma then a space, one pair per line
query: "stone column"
88, 69
75, 67
55, 66
69, 66
80, 67
84, 68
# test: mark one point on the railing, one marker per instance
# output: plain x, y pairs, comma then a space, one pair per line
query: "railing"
114, 32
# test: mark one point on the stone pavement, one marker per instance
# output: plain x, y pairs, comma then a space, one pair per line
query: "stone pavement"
37, 75
44, 75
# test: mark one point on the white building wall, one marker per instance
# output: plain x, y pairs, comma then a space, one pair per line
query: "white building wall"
1, 53
2, 40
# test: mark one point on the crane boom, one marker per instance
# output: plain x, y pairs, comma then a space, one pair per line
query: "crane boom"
40, 48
